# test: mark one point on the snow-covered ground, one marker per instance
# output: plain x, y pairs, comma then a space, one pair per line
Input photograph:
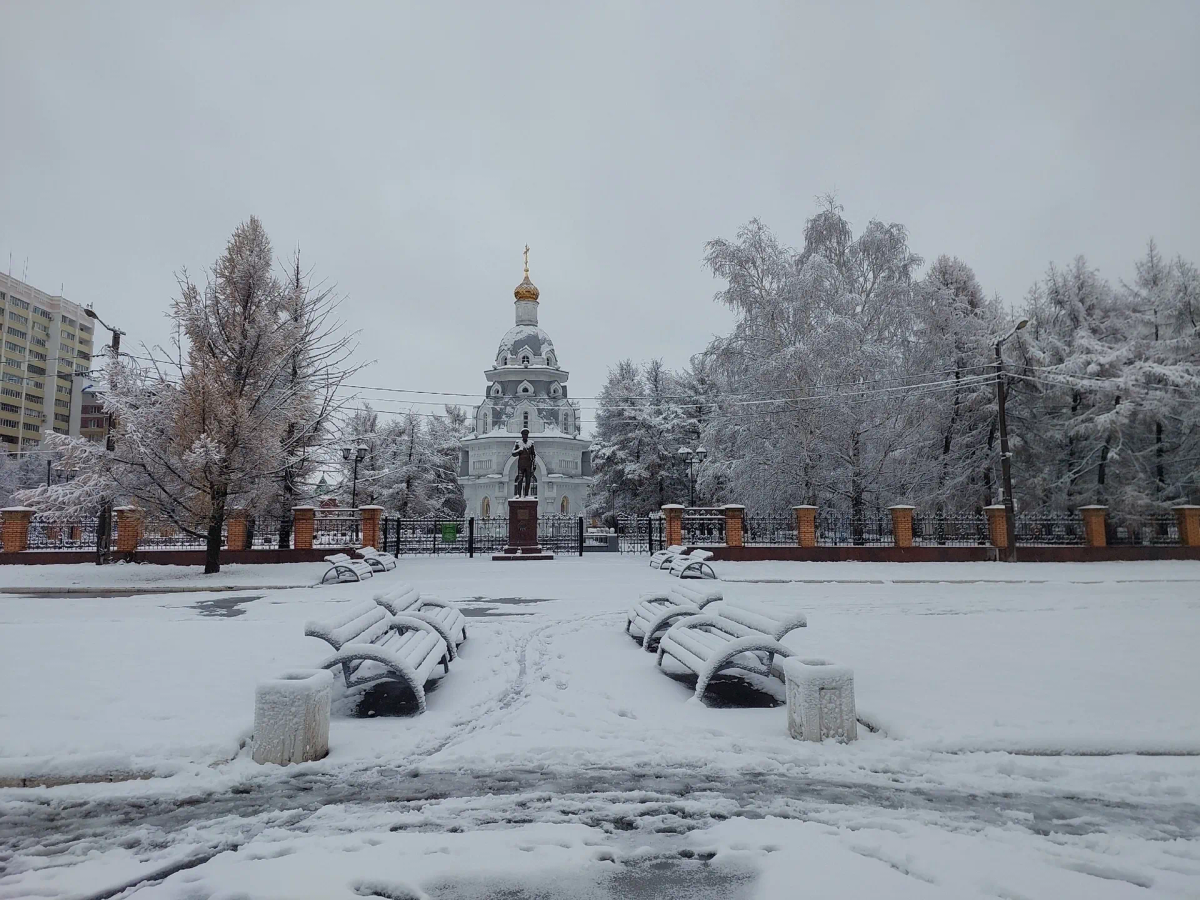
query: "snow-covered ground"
555, 746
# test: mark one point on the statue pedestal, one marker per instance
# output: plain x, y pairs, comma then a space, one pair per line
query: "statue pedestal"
522, 531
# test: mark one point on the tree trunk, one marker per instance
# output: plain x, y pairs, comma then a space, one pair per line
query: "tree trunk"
212, 549
988, 492
1160, 470
856, 490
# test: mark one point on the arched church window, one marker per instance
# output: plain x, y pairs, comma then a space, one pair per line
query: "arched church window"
525, 360
525, 419
495, 390
564, 508
525, 389
555, 389
566, 421
504, 361
485, 508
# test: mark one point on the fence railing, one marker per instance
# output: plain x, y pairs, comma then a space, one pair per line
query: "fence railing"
337, 528
702, 526
432, 536
52, 533
1144, 531
1051, 529
845, 529
769, 531
950, 530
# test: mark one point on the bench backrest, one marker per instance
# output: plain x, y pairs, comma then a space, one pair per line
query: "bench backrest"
338, 558
701, 597
765, 621
367, 551
399, 600
362, 623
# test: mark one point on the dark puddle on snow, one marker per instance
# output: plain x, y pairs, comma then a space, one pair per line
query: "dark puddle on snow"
224, 607
679, 879
390, 698
489, 607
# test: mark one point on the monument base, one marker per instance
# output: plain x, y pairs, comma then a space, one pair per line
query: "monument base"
524, 554
522, 531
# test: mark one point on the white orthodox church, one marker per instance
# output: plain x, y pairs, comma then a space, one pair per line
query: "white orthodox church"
526, 389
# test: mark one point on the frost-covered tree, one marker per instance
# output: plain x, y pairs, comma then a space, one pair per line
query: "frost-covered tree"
213, 423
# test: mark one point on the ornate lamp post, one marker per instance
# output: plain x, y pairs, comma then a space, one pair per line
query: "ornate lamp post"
692, 459
1005, 456
104, 526
360, 453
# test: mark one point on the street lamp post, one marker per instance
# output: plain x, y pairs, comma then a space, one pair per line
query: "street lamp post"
1010, 515
360, 453
104, 525
692, 459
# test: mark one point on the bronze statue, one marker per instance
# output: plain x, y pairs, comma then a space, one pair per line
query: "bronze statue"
525, 454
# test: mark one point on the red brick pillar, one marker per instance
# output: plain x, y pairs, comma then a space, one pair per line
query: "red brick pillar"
129, 522
806, 525
235, 530
304, 520
1094, 532
1188, 518
14, 528
734, 516
370, 525
902, 522
673, 513
997, 519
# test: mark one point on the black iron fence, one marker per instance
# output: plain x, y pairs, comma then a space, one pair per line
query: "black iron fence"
769, 531
337, 528
1049, 529
703, 527
641, 534
53, 533
432, 536
846, 529
1143, 531
950, 530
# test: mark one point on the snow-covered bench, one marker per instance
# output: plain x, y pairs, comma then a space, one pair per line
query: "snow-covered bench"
449, 621
693, 565
373, 645
654, 612
665, 557
380, 562
344, 568
711, 643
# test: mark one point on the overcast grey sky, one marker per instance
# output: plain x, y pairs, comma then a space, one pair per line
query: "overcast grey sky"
411, 150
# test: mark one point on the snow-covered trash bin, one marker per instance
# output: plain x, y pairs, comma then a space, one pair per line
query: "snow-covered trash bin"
291, 717
820, 700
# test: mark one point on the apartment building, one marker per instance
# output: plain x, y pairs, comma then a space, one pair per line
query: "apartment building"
44, 365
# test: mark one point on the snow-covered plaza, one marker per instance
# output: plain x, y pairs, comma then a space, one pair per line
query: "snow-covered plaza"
1036, 733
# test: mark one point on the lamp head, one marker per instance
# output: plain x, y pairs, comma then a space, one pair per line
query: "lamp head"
89, 312
1022, 324
346, 453
685, 452
360, 454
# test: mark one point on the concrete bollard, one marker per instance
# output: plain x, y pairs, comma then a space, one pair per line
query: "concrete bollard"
820, 700
291, 717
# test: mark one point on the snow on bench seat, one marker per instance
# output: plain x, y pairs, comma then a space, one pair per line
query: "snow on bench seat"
654, 612
708, 644
693, 565
770, 622
344, 568
665, 557
405, 600
380, 562
372, 645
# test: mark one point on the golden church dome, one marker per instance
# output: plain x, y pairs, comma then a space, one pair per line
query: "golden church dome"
526, 290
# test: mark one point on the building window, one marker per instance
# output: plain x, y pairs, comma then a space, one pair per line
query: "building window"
485, 508
525, 420
525, 360
504, 361
564, 508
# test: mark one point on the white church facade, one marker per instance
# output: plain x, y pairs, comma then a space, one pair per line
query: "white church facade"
526, 388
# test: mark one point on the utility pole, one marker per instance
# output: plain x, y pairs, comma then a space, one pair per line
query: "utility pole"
1010, 515
104, 525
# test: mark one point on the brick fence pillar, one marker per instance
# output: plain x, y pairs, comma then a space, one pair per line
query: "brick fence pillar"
304, 520
673, 513
902, 522
236, 533
14, 528
806, 525
129, 522
370, 525
1188, 518
735, 514
1094, 525
997, 519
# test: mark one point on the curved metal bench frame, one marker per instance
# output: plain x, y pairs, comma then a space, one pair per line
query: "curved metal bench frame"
738, 653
